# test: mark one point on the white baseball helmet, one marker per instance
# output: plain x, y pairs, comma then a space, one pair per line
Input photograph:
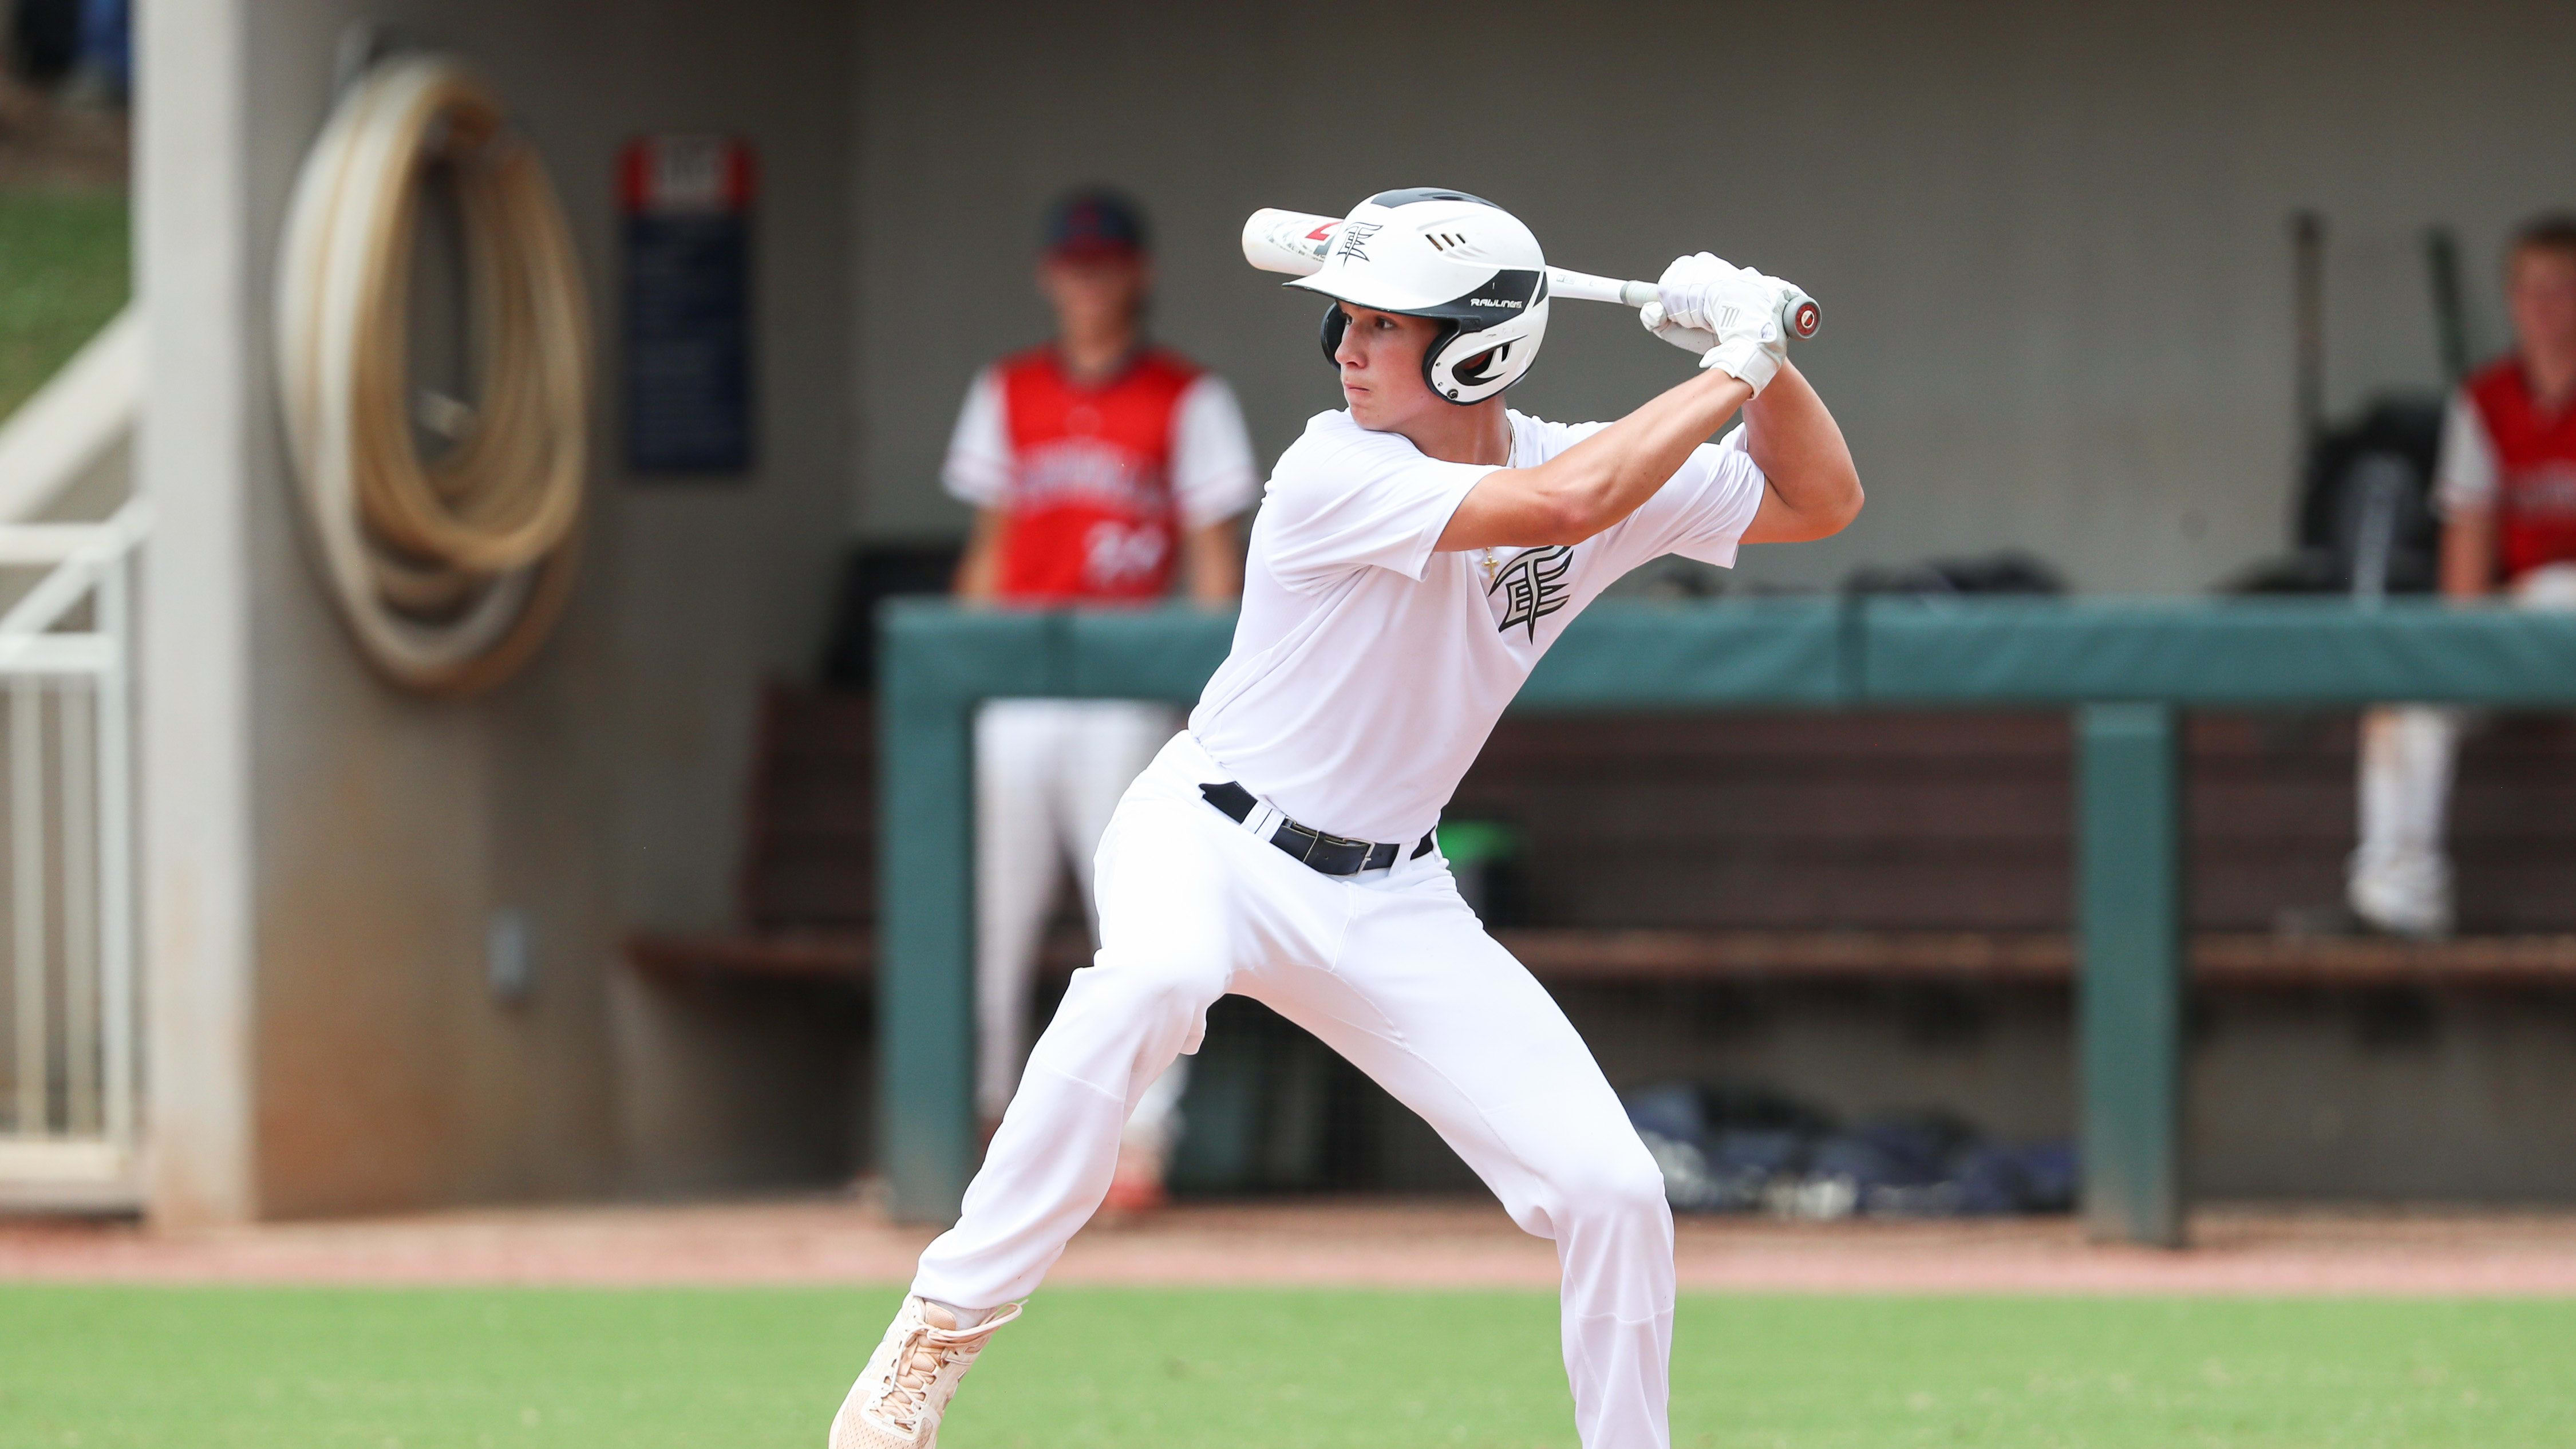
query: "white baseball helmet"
1455, 258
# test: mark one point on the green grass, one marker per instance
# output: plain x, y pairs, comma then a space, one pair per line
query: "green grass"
64, 272
96, 1367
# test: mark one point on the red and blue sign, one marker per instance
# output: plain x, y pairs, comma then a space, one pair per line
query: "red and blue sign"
688, 383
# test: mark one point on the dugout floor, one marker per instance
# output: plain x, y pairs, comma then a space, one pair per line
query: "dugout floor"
2241, 1250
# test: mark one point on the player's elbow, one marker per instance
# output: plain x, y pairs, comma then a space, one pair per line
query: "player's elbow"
1845, 508
1550, 511
1584, 504
1566, 520
1805, 509
1830, 504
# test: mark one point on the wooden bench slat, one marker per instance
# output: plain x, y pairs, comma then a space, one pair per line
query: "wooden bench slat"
1574, 957
1789, 846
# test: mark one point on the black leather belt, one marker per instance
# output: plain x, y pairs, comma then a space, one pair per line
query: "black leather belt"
1328, 854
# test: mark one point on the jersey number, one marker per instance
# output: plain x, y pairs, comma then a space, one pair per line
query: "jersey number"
1114, 553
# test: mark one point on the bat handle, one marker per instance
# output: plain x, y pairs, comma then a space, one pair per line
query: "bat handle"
1800, 317
1585, 287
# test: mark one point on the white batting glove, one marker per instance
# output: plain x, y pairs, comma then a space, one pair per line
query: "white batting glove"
1728, 315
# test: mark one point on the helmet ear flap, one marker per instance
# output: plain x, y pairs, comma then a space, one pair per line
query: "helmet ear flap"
1336, 321
1435, 377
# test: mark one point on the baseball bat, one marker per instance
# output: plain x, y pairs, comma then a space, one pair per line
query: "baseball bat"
1295, 242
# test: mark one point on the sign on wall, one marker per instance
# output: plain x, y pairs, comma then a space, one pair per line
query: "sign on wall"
687, 365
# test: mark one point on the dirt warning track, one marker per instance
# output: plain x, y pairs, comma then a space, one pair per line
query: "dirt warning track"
1374, 1243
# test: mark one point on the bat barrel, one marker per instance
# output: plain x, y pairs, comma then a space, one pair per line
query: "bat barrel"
1288, 241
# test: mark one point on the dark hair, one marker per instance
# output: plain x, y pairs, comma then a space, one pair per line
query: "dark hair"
2551, 231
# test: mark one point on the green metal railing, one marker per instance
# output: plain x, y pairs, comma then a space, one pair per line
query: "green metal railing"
2126, 668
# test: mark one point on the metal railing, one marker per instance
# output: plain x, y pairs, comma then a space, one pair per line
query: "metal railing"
69, 1070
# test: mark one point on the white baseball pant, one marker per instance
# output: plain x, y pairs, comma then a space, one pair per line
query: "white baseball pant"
2400, 878
1393, 971
1048, 775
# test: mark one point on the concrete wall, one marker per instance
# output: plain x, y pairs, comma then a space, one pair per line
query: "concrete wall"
2051, 240
325, 852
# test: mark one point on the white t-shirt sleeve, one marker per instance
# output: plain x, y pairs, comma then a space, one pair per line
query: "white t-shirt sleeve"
1701, 513
1213, 475
2465, 475
1361, 501
978, 470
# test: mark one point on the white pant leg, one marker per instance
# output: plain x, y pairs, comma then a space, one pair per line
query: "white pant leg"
2401, 875
1394, 972
1430, 1006
1180, 914
1108, 744
2551, 586
1017, 862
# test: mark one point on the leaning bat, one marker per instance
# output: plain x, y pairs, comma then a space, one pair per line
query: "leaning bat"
1295, 242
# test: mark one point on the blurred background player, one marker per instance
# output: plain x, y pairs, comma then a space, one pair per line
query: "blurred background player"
1102, 469
2506, 485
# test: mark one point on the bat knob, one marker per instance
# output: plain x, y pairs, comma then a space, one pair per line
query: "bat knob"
1802, 316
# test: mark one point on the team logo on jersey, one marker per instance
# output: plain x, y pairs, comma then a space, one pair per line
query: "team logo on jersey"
2546, 489
1531, 587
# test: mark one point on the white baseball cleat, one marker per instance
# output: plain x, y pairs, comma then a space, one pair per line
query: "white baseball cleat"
904, 1391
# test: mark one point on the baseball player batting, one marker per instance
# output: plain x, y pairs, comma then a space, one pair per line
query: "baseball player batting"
1416, 552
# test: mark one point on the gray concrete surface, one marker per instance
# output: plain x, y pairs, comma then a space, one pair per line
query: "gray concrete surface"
2051, 240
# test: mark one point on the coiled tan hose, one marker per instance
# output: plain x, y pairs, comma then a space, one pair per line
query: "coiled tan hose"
449, 573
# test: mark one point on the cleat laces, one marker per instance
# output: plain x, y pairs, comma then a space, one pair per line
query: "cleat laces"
916, 1368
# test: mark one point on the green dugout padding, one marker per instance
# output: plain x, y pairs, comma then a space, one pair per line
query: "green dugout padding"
2125, 666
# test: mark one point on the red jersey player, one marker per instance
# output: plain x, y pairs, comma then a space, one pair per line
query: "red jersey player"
2506, 485
1102, 470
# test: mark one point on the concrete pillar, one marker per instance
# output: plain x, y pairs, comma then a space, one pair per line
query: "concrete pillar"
323, 855
198, 448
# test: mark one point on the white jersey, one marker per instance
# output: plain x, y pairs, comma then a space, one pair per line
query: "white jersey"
1367, 670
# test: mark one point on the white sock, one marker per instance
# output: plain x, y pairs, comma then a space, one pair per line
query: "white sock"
965, 1317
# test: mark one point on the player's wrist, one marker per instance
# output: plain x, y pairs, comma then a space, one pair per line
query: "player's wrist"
1749, 360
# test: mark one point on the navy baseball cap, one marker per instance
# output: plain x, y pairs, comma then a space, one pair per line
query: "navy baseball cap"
1095, 222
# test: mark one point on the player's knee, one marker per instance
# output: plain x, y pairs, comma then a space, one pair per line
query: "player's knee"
1617, 1186
1152, 986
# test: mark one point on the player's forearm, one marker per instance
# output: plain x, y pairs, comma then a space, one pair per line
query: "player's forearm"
1212, 565
2468, 554
978, 565
1812, 486
1600, 480
1611, 474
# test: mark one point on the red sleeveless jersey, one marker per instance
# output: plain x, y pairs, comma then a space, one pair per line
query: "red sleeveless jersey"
1090, 513
2535, 465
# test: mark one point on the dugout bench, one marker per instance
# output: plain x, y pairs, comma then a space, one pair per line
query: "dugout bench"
2127, 670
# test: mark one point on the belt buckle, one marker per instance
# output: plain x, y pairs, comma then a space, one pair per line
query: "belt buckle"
1292, 828
1363, 846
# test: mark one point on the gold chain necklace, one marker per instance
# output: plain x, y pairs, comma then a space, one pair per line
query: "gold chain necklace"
1491, 567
